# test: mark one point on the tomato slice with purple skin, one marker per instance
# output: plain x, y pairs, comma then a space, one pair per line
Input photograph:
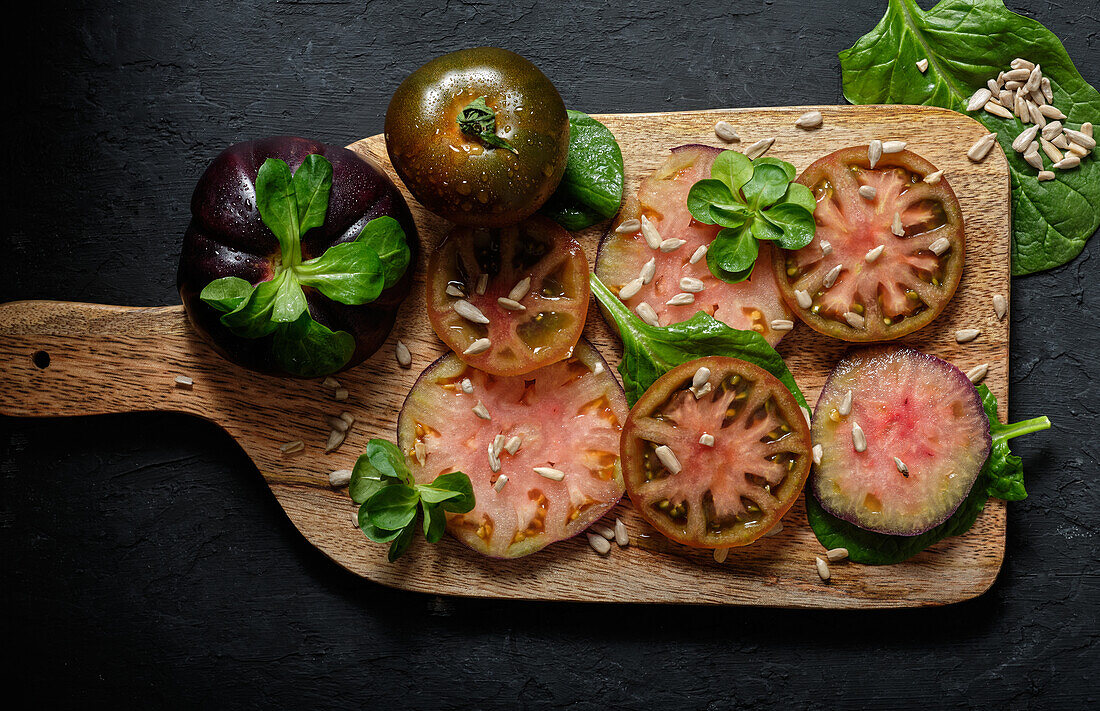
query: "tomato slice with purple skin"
926, 434
740, 453
529, 281
562, 419
881, 265
662, 198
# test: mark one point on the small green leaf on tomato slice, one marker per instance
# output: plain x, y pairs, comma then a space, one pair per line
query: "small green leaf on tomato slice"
458, 483
799, 194
795, 225
708, 193
789, 170
435, 521
226, 294
733, 250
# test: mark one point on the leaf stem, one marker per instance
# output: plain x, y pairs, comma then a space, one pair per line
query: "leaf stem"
1007, 432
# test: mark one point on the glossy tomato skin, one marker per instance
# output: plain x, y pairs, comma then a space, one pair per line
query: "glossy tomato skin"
453, 174
226, 237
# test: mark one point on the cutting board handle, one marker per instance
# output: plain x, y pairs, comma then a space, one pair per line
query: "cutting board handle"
59, 358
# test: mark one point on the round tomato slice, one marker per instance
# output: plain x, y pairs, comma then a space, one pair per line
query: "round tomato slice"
662, 199
553, 433
528, 289
718, 470
883, 263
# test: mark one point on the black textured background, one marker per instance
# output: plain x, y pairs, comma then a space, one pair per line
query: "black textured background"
144, 560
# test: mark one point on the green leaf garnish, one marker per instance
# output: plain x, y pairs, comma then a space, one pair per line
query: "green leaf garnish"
479, 121
309, 349
226, 294
312, 184
967, 43
350, 273
1001, 476
651, 351
278, 206
386, 238
592, 187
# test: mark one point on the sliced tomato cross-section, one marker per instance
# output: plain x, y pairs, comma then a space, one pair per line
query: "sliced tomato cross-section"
662, 199
884, 262
509, 300
715, 463
541, 450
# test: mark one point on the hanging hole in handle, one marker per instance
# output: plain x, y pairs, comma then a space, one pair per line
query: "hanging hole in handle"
41, 360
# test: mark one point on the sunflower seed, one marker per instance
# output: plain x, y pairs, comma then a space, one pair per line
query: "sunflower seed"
822, 569
845, 407
1014, 85
873, 254
781, 324
835, 555
702, 375
1078, 150
1018, 74
671, 244
513, 444
831, 276
1051, 150
896, 226
859, 440
1051, 130
874, 152
339, 478
330, 382
966, 335
630, 289
500, 482
922, 65
453, 290
336, 423
806, 415
341, 395
668, 458
1020, 63
599, 544
467, 386
650, 233
897, 146
601, 530
826, 247
1086, 128
1080, 138
774, 529
647, 314
804, 299
681, 299
482, 284
725, 131
997, 110
1006, 99
404, 357
629, 226
649, 269
700, 392
550, 473
939, 246
1032, 147
1034, 79
1061, 141
622, 536
469, 312
1019, 108
292, 446
759, 148
978, 98
479, 346
420, 451
1022, 141
867, 192
335, 439
698, 254
981, 147
510, 304
1068, 162
810, 119
494, 460
1034, 160
855, 320
348, 418
933, 178
816, 451
720, 554
481, 411
692, 285
1045, 175
520, 289
1037, 117
184, 383
597, 369
977, 373
1048, 92
706, 439
904, 470
497, 445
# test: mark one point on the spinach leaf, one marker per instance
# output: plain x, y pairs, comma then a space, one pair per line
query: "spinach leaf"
967, 42
733, 250
795, 224
651, 351
312, 184
592, 187
309, 349
389, 498
350, 273
385, 236
278, 207
1001, 476
226, 294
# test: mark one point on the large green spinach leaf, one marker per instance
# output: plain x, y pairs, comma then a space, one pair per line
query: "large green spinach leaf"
966, 42
592, 187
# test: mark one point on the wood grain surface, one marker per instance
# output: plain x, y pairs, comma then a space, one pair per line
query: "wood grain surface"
106, 359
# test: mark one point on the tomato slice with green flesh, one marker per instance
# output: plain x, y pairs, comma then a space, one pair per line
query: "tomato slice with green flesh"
733, 492
907, 285
749, 305
912, 406
554, 306
568, 416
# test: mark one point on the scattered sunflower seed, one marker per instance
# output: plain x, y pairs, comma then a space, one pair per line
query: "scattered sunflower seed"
939, 246
822, 569
453, 290
622, 536
835, 555
1051, 150
335, 439
339, 478
981, 147
816, 451
1034, 160
630, 289
845, 407
720, 554
810, 119
831, 276
893, 146
1020, 63
781, 324
759, 148
804, 299
867, 192
1000, 306
902, 468
348, 418
1061, 141
1045, 175
1086, 128
859, 440
404, 357
482, 284
806, 415
1078, 150
1034, 79
500, 482
826, 247
874, 152
479, 346
647, 314
896, 226
978, 98
1018, 74
671, 244
469, 312
513, 444
649, 270
934, 177
1048, 92
601, 530
922, 65
855, 320
681, 299
420, 451
668, 458
702, 375
494, 460
341, 394
698, 254
331, 382
725, 132
706, 439
977, 373
650, 233
966, 335
550, 473
509, 304
597, 369
520, 289
1021, 142
467, 386
481, 411
599, 544
292, 446
691, 285
184, 383
1081, 139
629, 226
336, 423
873, 254
700, 392
997, 109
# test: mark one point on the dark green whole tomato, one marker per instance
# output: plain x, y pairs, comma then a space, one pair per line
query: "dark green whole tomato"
487, 163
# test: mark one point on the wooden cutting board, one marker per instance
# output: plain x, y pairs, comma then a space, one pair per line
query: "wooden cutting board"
104, 359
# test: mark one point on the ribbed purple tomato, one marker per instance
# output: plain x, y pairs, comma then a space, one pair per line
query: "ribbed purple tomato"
227, 237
